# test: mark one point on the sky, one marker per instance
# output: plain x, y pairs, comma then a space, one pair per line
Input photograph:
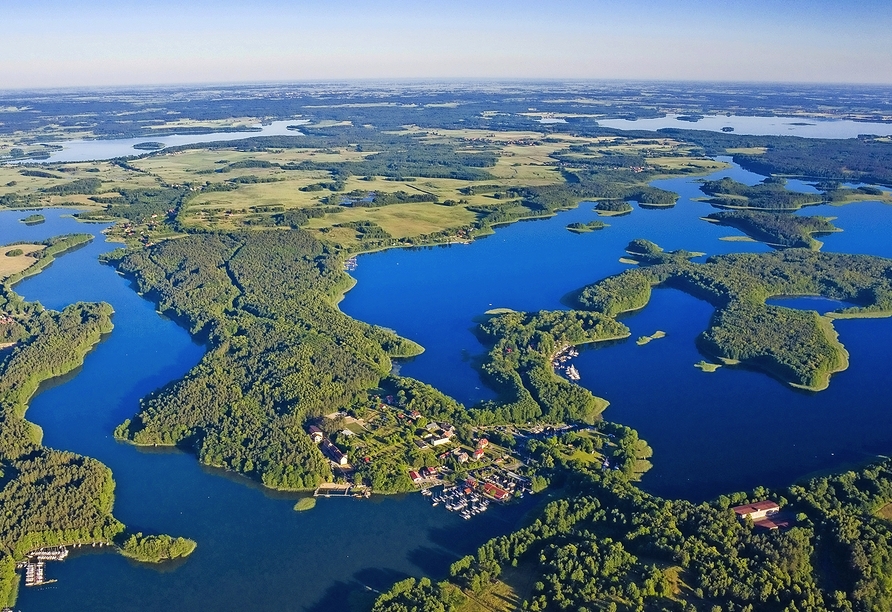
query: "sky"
72, 43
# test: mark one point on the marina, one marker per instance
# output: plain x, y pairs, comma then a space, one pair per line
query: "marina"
35, 565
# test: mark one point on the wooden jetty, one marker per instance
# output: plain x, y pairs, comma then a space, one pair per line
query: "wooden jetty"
330, 489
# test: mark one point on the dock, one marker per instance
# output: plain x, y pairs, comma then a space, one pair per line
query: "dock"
35, 565
330, 489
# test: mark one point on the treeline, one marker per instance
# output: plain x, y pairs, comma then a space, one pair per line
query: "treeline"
778, 229
280, 351
610, 546
799, 347
55, 246
863, 159
143, 205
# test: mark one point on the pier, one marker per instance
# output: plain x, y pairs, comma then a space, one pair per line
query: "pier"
330, 489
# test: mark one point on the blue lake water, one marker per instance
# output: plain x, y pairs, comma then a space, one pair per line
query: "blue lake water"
711, 433
91, 150
255, 552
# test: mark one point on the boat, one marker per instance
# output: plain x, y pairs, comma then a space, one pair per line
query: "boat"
572, 373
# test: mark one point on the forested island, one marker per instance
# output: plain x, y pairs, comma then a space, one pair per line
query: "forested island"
778, 229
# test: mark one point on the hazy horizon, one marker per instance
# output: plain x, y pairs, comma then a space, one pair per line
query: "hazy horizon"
75, 44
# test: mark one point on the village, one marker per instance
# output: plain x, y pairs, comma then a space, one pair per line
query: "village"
391, 448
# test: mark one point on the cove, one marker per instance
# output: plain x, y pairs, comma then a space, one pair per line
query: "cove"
254, 551
711, 432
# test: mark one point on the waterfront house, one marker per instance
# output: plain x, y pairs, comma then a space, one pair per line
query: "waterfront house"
495, 492
414, 476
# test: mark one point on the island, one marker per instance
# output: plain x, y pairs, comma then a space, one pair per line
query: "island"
584, 228
34, 219
778, 229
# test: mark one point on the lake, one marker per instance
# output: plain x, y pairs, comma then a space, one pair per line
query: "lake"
91, 150
254, 551
763, 126
711, 433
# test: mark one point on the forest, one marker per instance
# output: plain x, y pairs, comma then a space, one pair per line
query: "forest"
607, 545
519, 366
798, 347
279, 351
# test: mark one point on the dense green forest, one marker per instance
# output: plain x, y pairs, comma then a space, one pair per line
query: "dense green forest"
155, 549
279, 351
799, 347
48, 497
519, 366
778, 229
607, 545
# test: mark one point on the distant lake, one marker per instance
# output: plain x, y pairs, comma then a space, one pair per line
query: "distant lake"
765, 126
92, 150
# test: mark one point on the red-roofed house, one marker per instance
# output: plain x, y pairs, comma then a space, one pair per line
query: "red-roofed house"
494, 491
756, 511
478, 454
482, 443
414, 476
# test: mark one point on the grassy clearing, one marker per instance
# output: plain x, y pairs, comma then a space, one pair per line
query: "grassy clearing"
705, 366
17, 263
654, 336
885, 512
305, 503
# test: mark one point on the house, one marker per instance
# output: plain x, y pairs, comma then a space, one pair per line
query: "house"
495, 492
420, 444
333, 452
415, 476
478, 454
429, 472
315, 433
440, 441
346, 433
463, 457
482, 443
756, 511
